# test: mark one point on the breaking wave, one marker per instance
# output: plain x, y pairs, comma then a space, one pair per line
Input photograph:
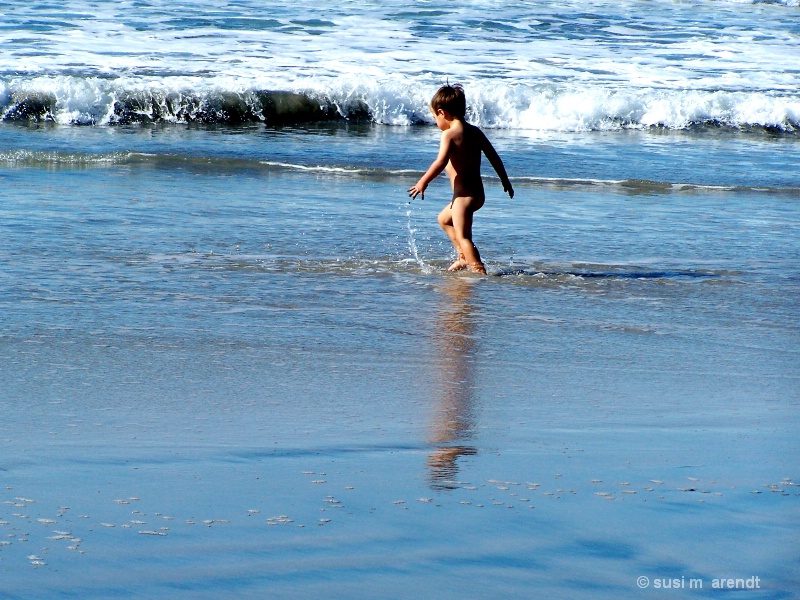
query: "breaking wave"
548, 107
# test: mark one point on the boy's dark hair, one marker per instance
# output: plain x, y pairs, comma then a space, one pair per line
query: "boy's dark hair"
452, 99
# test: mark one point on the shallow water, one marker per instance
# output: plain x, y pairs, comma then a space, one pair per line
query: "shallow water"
203, 320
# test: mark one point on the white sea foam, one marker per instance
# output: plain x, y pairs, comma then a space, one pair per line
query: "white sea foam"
69, 100
320, 169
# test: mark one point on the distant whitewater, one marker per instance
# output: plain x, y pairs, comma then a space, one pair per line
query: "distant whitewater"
535, 66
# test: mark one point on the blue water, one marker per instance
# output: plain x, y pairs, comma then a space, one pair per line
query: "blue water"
215, 310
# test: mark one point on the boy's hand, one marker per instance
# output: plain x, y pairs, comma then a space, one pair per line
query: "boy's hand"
507, 188
417, 190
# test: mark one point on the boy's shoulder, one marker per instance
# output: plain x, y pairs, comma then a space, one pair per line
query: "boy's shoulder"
464, 129
476, 129
473, 134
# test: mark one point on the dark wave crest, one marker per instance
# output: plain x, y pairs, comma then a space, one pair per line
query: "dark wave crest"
269, 107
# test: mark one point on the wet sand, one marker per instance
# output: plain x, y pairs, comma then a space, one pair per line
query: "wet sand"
445, 462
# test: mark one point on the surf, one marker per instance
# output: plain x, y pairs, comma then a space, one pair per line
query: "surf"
76, 100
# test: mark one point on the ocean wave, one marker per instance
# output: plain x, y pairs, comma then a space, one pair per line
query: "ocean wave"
548, 107
96, 101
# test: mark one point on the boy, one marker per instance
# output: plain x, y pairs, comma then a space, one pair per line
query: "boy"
460, 156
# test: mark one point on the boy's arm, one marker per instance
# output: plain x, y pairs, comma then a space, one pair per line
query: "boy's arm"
437, 166
497, 164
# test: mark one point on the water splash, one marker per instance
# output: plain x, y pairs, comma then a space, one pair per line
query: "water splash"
412, 245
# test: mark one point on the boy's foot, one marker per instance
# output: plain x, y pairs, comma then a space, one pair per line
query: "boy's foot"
477, 267
459, 265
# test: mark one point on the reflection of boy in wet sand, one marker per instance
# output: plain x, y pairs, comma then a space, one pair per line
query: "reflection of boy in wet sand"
454, 421
460, 156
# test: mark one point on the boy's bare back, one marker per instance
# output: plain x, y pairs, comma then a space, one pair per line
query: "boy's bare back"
464, 144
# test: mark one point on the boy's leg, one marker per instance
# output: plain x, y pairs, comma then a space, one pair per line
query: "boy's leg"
456, 220
446, 223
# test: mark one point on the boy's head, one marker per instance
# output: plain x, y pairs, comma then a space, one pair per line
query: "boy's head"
451, 99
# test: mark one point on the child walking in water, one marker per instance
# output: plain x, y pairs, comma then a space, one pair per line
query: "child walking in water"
460, 156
